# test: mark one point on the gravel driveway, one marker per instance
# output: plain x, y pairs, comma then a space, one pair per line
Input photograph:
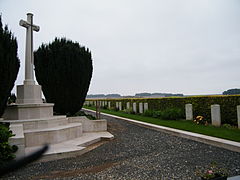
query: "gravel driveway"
135, 153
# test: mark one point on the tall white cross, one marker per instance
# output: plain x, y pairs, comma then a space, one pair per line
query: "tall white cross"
29, 80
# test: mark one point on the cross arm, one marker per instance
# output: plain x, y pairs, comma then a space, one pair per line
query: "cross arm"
27, 24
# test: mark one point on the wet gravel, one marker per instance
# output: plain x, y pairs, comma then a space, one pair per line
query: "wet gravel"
135, 153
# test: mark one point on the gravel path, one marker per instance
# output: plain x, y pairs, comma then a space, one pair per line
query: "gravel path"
135, 153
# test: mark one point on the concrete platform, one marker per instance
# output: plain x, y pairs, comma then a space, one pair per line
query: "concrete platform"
53, 135
66, 137
41, 123
73, 147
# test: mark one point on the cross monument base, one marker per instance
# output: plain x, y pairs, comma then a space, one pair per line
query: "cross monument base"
29, 94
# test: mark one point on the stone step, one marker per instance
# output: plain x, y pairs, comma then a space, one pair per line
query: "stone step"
52, 135
42, 123
71, 148
28, 111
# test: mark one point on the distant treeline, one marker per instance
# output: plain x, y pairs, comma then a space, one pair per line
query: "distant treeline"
104, 96
154, 95
231, 92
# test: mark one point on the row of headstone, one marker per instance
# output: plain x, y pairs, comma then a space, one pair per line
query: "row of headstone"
119, 106
101, 103
142, 107
215, 114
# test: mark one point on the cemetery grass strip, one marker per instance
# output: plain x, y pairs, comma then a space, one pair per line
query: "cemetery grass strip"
220, 132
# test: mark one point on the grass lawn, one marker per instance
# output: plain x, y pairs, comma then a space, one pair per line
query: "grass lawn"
221, 132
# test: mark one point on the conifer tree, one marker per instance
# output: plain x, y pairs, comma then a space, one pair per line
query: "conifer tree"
9, 64
64, 70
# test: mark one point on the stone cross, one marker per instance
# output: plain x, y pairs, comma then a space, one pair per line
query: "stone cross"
29, 80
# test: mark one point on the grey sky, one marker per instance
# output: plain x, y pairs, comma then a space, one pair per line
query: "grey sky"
177, 46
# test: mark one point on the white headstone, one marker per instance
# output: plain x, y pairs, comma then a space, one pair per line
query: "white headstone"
216, 115
128, 105
189, 111
109, 105
140, 108
145, 107
238, 116
120, 106
117, 106
135, 107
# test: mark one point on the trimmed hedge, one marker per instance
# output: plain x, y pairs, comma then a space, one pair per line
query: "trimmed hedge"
201, 105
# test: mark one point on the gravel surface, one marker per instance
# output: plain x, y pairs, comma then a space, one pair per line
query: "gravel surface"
135, 153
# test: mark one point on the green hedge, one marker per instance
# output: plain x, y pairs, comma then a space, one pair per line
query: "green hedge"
201, 105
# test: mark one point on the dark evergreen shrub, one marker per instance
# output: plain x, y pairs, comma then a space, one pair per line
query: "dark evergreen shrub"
64, 70
9, 65
6, 150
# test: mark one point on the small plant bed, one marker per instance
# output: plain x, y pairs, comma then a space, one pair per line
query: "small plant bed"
221, 132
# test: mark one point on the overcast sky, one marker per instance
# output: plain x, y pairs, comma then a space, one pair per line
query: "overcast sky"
176, 46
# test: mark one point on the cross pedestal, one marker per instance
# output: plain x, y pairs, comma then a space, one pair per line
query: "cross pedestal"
29, 93
29, 104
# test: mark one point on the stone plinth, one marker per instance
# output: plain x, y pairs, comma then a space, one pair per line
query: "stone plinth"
29, 94
189, 112
28, 111
216, 115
